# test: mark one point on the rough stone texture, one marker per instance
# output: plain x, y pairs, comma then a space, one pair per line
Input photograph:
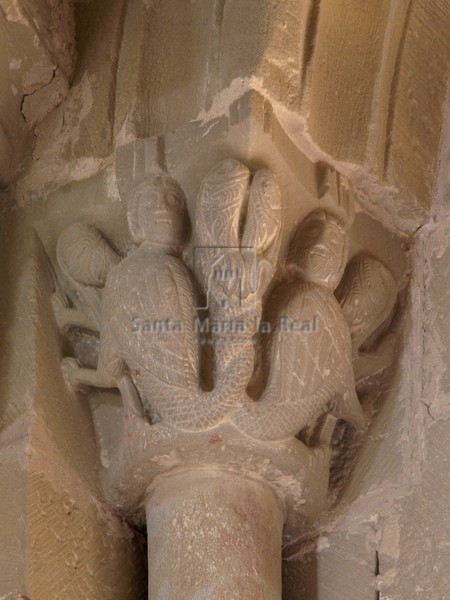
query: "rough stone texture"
347, 51
418, 103
392, 538
37, 58
223, 532
388, 69
48, 456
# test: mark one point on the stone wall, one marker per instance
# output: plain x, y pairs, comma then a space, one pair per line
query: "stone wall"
359, 87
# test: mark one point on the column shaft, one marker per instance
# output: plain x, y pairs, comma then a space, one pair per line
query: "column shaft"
214, 535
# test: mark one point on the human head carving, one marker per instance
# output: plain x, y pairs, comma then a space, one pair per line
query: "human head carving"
319, 250
157, 212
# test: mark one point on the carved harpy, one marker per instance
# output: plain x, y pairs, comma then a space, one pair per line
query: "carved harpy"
150, 348
152, 285
311, 372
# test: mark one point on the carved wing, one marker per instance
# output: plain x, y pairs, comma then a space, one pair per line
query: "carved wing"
148, 306
367, 295
221, 201
264, 217
84, 258
229, 254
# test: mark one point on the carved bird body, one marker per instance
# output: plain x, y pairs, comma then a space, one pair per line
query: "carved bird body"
148, 328
311, 366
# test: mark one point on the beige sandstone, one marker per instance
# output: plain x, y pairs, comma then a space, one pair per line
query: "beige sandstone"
334, 110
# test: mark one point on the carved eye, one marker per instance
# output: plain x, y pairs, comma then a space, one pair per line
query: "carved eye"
172, 201
314, 231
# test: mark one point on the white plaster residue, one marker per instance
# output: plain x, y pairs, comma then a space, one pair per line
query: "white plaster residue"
223, 100
83, 168
213, 124
13, 13
387, 579
112, 191
366, 508
105, 459
390, 537
323, 543
15, 64
126, 134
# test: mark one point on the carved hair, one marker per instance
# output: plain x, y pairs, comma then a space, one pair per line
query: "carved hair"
298, 256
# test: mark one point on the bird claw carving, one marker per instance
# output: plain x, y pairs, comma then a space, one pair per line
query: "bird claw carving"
71, 369
67, 317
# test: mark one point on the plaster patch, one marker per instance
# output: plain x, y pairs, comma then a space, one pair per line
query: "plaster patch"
223, 100
13, 13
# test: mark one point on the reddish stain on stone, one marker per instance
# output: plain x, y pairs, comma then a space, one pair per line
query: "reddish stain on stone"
137, 372
215, 439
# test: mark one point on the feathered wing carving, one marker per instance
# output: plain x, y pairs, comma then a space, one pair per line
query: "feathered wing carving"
149, 322
85, 258
245, 260
264, 217
311, 370
220, 205
367, 295
148, 308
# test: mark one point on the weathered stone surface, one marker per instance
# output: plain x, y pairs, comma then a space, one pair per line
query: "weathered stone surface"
222, 531
348, 46
396, 527
37, 62
48, 457
306, 89
418, 104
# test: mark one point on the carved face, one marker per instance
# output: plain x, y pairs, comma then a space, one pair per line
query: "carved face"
157, 212
320, 249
